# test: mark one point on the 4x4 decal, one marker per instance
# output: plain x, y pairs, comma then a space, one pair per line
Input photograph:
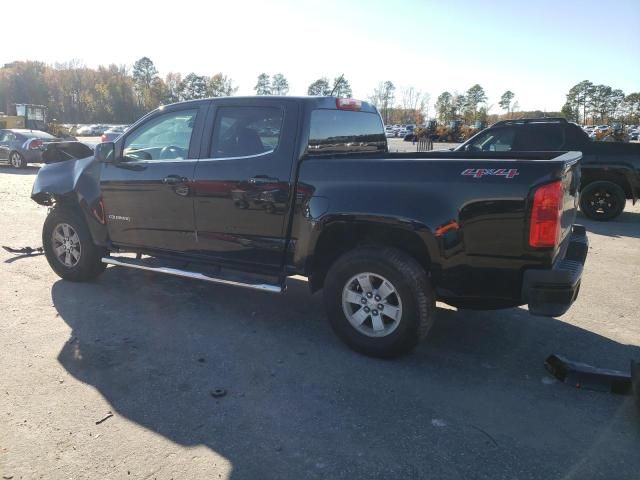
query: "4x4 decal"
481, 172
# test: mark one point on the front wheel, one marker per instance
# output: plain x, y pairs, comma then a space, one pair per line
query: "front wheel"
380, 301
602, 200
69, 247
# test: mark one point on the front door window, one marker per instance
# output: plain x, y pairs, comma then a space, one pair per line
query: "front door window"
166, 137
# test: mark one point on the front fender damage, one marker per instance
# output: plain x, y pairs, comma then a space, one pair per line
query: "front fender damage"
78, 179
75, 182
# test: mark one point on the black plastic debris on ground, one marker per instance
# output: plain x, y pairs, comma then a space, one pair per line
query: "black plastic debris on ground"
582, 375
23, 250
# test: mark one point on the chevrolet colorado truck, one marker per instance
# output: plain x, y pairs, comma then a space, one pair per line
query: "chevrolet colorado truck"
247, 191
610, 171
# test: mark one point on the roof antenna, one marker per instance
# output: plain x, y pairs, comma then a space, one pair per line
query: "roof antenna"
336, 84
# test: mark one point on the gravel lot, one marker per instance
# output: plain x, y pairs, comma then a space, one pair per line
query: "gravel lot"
473, 402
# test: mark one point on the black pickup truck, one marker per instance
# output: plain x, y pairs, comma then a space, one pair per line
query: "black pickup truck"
610, 171
248, 191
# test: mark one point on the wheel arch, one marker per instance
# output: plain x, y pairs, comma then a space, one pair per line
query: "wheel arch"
339, 236
618, 176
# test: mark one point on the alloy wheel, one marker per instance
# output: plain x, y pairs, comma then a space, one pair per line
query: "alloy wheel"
371, 304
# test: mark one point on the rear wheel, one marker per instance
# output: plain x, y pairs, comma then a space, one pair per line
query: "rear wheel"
16, 160
379, 301
69, 247
602, 200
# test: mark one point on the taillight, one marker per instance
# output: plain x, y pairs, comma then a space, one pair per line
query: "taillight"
544, 230
35, 144
103, 138
348, 104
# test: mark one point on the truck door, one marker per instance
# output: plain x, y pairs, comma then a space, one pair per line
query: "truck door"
243, 182
147, 193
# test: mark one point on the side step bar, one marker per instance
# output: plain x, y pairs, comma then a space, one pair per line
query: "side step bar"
141, 264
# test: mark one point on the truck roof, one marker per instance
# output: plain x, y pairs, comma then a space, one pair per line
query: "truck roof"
312, 101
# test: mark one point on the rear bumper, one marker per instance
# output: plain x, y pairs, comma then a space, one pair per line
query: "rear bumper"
551, 292
32, 156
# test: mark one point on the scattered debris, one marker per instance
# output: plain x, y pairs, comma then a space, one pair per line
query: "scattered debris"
106, 417
438, 422
24, 250
549, 380
218, 392
486, 434
582, 375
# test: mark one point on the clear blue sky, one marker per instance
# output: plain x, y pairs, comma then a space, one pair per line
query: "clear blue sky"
538, 49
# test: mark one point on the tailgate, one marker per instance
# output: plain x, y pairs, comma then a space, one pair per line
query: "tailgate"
571, 191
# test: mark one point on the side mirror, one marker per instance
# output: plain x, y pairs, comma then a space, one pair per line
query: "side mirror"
105, 152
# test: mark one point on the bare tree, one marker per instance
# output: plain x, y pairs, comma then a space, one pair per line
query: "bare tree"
412, 104
383, 98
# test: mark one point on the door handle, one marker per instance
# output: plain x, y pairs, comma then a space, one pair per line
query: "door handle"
173, 180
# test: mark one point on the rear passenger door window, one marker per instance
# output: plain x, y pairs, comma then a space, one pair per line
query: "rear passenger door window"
540, 138
246, 131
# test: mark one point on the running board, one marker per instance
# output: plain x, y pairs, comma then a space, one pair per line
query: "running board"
235, 279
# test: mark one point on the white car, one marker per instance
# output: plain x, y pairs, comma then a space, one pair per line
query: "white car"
85, 131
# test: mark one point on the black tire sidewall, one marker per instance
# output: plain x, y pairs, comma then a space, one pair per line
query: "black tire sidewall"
614, 189
90, 264
406, 336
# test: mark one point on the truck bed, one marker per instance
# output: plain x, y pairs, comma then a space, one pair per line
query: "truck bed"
482, 202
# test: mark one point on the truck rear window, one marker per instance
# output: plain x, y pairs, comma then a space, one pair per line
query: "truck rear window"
342, 131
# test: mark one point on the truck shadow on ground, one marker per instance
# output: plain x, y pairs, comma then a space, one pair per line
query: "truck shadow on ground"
299, 404
626, 225
28, 170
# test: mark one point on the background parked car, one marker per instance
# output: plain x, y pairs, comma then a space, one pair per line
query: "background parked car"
19, 147
112, 133
84, 131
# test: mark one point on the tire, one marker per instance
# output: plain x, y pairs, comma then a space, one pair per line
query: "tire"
413, 294
85, 265
16, 160
602, 200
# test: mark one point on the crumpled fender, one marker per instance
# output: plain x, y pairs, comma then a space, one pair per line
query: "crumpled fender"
76, 182
61, 151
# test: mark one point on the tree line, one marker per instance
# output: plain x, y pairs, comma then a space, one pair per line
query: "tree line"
75, 93
591, 103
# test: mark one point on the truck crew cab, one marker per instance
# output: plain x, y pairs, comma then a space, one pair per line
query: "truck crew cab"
247, 191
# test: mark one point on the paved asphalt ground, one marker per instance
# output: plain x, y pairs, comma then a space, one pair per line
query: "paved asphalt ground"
473, 402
